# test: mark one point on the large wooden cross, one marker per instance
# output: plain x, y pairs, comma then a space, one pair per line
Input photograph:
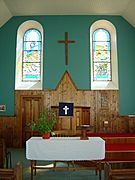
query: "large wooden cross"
66, 42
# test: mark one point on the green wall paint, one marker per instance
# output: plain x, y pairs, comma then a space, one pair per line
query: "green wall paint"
79, 58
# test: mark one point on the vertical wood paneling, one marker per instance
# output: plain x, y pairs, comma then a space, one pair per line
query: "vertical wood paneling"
104, 116
7, 130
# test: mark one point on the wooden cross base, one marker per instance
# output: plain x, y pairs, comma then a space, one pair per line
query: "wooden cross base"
84, 129
84, 136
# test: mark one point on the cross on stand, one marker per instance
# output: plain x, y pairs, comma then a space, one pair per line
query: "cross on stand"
66, 42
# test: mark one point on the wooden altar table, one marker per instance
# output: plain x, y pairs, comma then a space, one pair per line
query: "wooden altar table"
64, 149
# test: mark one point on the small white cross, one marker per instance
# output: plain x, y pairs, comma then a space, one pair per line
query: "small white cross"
65, 109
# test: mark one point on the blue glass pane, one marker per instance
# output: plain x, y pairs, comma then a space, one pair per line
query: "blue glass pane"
32, 35
31, 56
34, 45
101, 35
102, 71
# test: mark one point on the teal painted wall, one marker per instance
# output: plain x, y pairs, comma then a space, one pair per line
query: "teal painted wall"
79, 58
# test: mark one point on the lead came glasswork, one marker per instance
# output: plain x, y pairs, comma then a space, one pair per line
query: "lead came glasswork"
102, 71
32, 35
101, 55
31, 71
31, 55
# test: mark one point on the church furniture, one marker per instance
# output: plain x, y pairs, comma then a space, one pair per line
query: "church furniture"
119, 146
84, 128
81, 116
5, 156
2, 153
120, 153
118, 173
66, 149
7, 129
11, 173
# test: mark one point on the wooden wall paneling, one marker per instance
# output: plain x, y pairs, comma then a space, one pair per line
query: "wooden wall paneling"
74, 124
107, 109
18, 125
8, 132
19, 111
123, 124
103, 105
58, 125
66, 123
81, 116
85, 116
31, 106
7, 127
131, 124
2, 153
92, 99
77, 117
27, 115
1, 127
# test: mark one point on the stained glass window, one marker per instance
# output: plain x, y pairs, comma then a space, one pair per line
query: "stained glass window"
31, 66
101, 55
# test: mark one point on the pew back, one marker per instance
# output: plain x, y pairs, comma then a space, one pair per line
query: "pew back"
2, 153
11, 174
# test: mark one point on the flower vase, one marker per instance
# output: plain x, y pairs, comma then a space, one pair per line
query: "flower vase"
46, 135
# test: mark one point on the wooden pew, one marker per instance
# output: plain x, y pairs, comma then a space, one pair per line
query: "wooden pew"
115, 173
120, 147
11, 173
2, 153
120, 155
5, 156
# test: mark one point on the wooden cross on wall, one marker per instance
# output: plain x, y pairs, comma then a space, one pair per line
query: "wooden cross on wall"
66, 42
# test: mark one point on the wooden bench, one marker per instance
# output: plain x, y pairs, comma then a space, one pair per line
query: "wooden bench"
11, 173
118, 145
120, 155
115, 173
5, 156
2, 153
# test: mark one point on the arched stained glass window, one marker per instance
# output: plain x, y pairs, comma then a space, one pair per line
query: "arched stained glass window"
31, 64
101, 55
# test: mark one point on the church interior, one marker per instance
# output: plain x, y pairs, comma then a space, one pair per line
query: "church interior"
75, 51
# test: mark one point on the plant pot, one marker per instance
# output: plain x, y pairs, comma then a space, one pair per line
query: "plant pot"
46, 135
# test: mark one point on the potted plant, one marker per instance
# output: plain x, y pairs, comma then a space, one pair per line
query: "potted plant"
45, 123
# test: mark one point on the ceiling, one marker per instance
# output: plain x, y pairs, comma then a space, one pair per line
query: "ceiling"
9, 8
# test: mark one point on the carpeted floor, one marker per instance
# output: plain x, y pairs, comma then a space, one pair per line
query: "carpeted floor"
19, 155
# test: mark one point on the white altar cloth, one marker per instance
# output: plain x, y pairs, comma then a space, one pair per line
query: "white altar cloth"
65, 149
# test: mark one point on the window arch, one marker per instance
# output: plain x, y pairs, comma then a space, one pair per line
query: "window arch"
104, 66
29, 56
